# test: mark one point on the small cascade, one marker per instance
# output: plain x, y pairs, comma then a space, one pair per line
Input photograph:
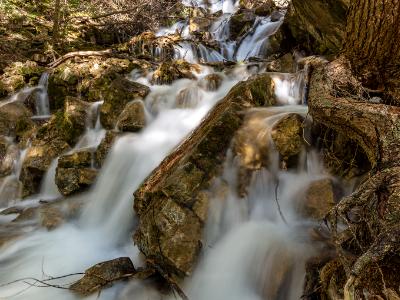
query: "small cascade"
10, 187
42, 99
255, 246
255, 43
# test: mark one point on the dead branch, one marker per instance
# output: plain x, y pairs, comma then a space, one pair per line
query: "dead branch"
63, 58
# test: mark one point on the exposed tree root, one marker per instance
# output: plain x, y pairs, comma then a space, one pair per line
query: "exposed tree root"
373, 210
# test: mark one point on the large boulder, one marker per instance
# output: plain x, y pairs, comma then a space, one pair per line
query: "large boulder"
133, 117
170, 203
318, 25
120, 92
74, 172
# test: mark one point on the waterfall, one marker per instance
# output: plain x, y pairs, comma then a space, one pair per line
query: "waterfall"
250, 252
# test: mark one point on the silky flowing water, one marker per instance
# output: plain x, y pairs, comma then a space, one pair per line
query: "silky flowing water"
248, 242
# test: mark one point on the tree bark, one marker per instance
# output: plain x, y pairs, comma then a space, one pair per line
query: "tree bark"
372, 43
56, 21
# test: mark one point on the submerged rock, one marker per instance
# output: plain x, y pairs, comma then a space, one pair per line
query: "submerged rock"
74, 172
170, 203
104, 274
133, 117
211, 82
120, 92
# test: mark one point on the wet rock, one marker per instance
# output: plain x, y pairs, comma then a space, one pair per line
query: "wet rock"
37, 160
211, 82
169, 203
104, 147
74, 172
170, 71
319, 199
120, 92
15, 119
319, 25
287, 135
67, 124
133, 117
241, 22
199, 24
175, 231
104, 274
70, 181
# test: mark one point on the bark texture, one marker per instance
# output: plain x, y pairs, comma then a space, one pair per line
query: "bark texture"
372, 212
372, 43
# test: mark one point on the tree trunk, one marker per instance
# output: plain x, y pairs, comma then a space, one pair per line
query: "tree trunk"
56, 21
337, 99
372, 43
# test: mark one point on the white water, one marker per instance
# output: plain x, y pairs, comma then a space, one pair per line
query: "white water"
42, 99
244, 237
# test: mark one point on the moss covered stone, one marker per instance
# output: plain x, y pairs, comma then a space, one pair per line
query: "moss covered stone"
120, 92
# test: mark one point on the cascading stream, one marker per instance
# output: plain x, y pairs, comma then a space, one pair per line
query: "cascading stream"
243, 237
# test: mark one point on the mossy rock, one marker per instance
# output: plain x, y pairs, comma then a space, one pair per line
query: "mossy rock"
132, 118
120, 92
170, 71
67, 124
36, 163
